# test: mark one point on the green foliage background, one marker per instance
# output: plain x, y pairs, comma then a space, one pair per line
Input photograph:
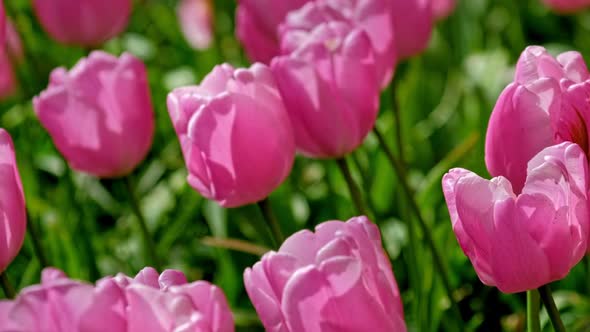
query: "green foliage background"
445, 98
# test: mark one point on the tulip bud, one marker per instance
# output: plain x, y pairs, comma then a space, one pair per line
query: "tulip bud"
235, 134
443, 8
336, 279
330, 110
99, 114
567, 6
521, 242
412, 23
83, 22
196, 21
12, 203
256, 25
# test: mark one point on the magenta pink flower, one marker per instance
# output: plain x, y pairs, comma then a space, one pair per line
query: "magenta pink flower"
567, 6
99, 114
546, 104
443, 8
256, 25
331, 113
336, 279
2, 23
235, 134
196, 21
519, 242
412, 23
12, 203
375, 17
83, 22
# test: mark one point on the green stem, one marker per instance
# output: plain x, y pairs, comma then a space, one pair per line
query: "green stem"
7, 286
532, 311
355, 192
36, 239
271, 221
150, 246
437, 257
549, 303
398, 123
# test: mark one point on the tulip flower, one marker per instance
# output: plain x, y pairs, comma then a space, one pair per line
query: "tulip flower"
567, 6
235, 134
99, 114
336, 279
12, 203
546, 104
519, 242
14, 44
2, 23
330, 111
83, 22
256, 26
412, 23
158, 303
375, 17
443, 8
196, 22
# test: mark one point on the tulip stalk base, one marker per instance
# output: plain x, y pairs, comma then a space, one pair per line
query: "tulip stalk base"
549, 303
355, 192
150, 246
533, 305
271, 221
7, 286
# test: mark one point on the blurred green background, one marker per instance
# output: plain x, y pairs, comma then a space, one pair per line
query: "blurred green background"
445, 98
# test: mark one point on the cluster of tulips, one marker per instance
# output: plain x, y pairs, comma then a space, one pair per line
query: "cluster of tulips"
314, 89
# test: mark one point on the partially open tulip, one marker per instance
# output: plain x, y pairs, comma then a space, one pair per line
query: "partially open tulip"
375, 17
157, 303
83, 22
99, 114
546, 104
412, 23
330, 89
12, 203
235, 134
196, 21
443, 8
567, 6
520, 242
256, 25
336, 279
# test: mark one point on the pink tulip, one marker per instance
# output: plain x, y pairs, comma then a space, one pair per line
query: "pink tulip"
14, 44
331, 111
256, 25
2, 23
235, 134
99, 114
412, 23
53, 306
545, 104
567, 6
443, 8
156, 303
12, 203
372, 16
196, 21
336, 279
83, 22
519, 242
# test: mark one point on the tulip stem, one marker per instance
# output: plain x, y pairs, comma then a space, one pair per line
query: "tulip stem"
437, 257
398, 123
150, 246
549, 303
271, 221
36, 239
355, 192
532, 310
7, 286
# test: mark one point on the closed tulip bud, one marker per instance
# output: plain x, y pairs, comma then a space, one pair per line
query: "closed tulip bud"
153, 302
336, 279
196, 22
234, 133
412, 23
567, 6
330, 88
520, 242
375, 17
256, 26
443, 8
12, 203
545, 105
99, 114
83, 22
